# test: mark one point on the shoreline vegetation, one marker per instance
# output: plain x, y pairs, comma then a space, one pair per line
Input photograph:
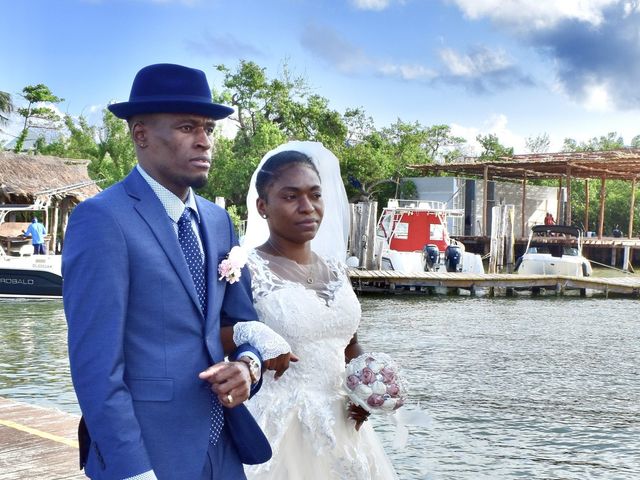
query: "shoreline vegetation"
271, 110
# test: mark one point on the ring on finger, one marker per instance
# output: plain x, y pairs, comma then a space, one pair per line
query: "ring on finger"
229, 398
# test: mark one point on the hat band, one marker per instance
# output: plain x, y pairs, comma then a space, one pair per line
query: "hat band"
170, 98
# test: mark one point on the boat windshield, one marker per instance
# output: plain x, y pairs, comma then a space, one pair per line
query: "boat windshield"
554, 250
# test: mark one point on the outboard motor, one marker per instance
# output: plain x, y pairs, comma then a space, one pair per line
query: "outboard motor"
431, 257
452, 258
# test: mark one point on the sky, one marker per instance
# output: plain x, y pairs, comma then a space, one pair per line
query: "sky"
513, 68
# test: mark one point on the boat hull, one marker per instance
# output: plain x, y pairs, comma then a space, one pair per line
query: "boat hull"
545, 264
29, 283
37, 276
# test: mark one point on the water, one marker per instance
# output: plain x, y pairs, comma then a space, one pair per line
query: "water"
516, 388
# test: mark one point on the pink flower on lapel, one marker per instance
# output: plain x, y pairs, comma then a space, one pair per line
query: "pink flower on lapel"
231, 267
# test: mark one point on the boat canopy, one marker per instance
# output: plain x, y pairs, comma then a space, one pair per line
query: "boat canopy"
546, 230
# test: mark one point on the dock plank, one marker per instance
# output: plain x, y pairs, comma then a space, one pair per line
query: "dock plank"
37, 442
421, 282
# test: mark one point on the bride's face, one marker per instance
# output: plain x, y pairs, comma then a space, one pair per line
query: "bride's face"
294, 205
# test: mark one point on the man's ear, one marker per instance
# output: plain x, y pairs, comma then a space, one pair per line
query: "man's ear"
139, 133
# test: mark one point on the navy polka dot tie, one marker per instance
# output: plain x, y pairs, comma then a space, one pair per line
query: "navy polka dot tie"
195, 262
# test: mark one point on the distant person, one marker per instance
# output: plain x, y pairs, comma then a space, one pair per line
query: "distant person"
617, 233
548, 219
37, 232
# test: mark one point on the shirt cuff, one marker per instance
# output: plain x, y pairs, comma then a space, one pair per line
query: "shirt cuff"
148, 475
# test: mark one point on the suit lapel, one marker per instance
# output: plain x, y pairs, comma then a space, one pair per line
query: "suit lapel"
212, 240
155, 216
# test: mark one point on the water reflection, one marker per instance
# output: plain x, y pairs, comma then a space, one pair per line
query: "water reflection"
33, 353
516, 388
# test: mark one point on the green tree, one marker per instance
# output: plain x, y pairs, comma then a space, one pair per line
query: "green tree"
80, 141
6, 107
36, 114
538, 144
268, 113
618, 192
115, 154
610, 141
108, 148
441, 145
492, 149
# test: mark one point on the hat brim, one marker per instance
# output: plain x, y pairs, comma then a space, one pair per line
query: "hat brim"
126, 110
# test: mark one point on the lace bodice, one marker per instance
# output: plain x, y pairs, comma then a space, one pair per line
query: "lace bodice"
318, 325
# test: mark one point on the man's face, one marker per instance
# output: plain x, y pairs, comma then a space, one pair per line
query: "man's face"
178, 149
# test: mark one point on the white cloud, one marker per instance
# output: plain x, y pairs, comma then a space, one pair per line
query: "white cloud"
496, 124
406, 71
597, 98
473, 64
538, 14
371, 4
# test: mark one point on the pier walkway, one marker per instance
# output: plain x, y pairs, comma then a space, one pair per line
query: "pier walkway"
37, 443
390, 281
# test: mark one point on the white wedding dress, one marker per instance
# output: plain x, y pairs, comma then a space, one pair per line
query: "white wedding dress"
304, 413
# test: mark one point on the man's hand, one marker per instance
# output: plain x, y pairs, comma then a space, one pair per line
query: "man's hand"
280, 363
230, 381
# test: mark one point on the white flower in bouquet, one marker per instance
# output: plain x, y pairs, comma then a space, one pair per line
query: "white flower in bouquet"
372, 381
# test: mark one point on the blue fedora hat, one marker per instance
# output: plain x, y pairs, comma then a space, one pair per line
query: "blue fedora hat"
168, 88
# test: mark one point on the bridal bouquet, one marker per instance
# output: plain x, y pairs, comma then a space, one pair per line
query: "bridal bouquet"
372, 381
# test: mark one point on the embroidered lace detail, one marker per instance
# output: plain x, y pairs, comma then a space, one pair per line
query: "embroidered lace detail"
317, 325
261, 337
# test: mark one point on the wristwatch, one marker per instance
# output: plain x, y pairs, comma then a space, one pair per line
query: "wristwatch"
254, 368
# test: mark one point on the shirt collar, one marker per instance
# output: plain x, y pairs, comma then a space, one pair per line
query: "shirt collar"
171, 203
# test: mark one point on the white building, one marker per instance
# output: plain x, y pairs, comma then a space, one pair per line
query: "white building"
467, 195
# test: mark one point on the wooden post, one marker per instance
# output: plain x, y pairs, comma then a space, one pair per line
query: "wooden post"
586, 206
509, 238
625, 258
603, 191
495, 256
631, 207
524, 204
372, 224
362, 233
559, 208
54, 227
65, 207
568, 212
485, 199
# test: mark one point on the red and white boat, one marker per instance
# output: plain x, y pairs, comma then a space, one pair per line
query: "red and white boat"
412, 236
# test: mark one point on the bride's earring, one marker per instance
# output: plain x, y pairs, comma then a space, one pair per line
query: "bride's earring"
264, 215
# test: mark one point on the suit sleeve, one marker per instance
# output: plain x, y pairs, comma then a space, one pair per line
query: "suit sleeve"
95, 267
237, 306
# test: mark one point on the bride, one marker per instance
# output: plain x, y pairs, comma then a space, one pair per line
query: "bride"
304, 294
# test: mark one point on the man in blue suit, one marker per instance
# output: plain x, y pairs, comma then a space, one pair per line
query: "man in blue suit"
149, 320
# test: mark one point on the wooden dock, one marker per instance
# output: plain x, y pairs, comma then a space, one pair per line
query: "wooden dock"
390, 281
37, 443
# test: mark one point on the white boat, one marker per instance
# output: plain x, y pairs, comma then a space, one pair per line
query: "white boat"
412, 236
25, 274
554, 250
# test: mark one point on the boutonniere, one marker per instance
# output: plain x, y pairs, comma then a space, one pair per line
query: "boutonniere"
231, 267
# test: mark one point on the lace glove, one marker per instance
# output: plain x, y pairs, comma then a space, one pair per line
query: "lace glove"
262, 338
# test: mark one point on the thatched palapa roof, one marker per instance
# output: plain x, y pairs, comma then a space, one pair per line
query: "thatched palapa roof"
623, 164
23, 178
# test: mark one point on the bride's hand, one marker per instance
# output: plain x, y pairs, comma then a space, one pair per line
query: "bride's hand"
280, 364
359, 414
